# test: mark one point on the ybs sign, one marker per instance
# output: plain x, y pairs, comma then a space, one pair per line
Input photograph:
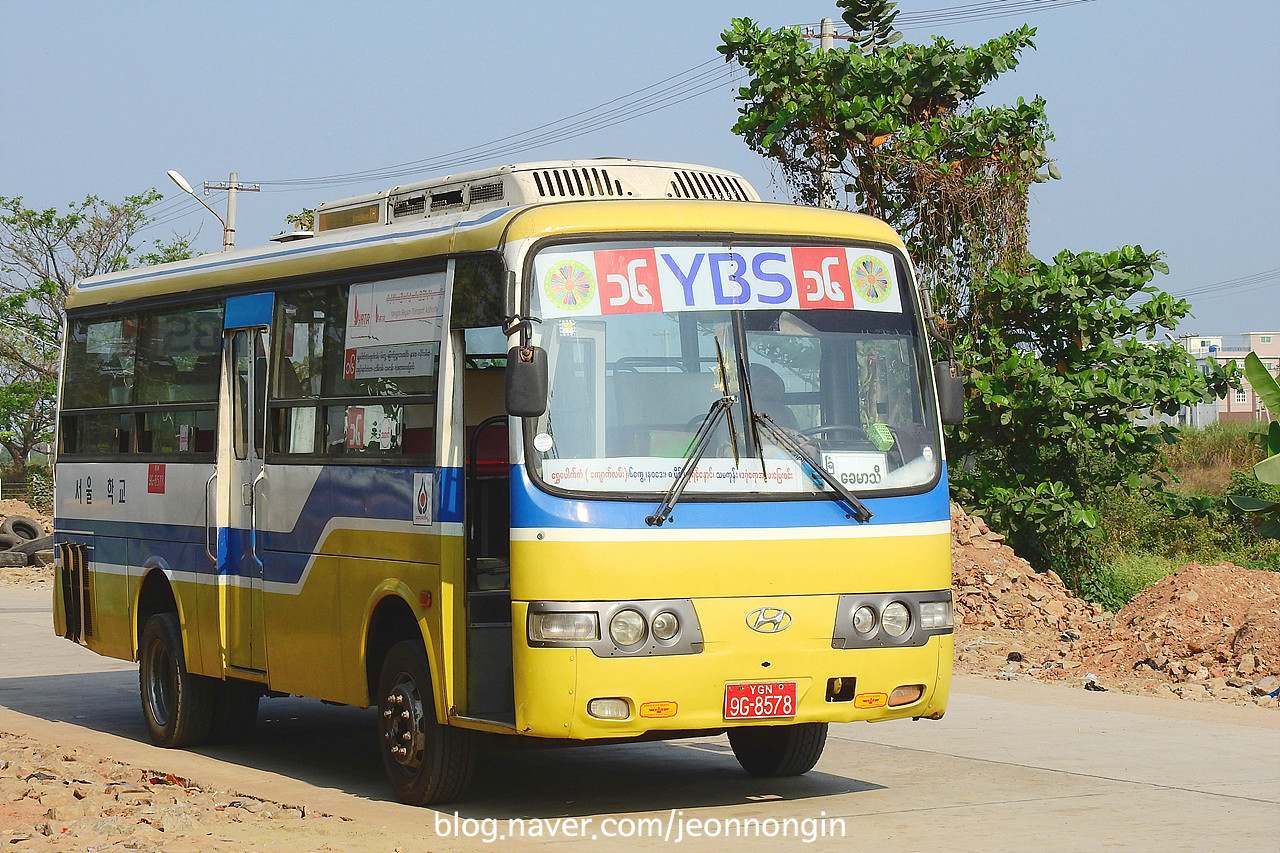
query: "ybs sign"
700, 278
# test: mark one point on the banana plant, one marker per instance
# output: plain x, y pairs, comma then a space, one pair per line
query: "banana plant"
1268, 470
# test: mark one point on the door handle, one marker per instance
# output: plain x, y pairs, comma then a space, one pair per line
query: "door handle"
253, 515
208, 547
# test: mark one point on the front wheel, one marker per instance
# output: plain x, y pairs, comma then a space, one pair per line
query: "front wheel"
772, 751
426, 762
177, 705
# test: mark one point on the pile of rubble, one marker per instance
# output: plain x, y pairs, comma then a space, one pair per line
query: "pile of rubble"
1211, 625
1200, 633
68, 799
994, 587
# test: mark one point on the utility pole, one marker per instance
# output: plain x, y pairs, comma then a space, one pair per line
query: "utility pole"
828, 179
232, 186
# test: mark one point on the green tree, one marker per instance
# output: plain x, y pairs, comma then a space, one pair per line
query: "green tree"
899, 128
1057, 362
43, 253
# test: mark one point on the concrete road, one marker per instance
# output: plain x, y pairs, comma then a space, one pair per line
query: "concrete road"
1012, 766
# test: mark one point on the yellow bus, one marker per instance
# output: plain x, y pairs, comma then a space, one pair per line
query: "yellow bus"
572, 451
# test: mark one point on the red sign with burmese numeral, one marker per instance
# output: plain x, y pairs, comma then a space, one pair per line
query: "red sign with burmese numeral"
822, 277
628, 281
761, 700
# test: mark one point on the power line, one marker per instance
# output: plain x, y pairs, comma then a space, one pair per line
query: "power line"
967, 12
692, 82
1232, 286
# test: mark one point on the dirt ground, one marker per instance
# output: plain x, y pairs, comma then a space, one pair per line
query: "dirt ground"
1208, 633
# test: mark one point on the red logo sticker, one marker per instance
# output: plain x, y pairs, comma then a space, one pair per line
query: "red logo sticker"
355, 428
155, 478
628, 281
822, 277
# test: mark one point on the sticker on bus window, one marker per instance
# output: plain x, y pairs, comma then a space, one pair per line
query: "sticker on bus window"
355, 428
578, 283
654, 474
394, 327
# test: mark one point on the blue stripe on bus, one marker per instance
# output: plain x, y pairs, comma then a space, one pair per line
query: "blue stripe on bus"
347, 491
532, 507
387, 494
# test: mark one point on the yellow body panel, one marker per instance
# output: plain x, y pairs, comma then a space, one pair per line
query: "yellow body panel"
553, 686
591, 571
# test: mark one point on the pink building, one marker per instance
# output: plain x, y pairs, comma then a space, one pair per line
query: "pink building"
1244, 404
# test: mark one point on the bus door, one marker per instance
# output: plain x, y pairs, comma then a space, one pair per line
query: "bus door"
487, 498
241, 484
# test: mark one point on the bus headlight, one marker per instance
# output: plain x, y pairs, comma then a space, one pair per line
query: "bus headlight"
666, 625
864, 620
896, 619
936, 614
627, 627
564, 626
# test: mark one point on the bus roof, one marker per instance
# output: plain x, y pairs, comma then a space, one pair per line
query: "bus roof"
473, 231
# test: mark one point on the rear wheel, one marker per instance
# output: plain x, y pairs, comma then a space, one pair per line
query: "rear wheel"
177, 705
778, 750
425, 761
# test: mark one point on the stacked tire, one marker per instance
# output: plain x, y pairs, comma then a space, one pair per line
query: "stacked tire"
21, 538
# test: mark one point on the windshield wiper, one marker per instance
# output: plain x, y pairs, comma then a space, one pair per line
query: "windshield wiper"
701, 441
787, 443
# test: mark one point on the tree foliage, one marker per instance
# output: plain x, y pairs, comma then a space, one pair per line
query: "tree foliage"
1057, 361
43, 253
899, 127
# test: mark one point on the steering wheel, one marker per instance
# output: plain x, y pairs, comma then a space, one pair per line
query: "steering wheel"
858, 432
822, 429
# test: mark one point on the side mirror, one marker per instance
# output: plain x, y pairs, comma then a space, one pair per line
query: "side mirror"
526, 381
950, 393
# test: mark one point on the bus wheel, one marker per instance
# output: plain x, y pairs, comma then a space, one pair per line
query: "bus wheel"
426, 762
778, 750
177, 706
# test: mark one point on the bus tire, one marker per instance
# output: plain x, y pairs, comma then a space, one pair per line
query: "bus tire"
22, 527
235, 711
426, 762
177, 705
771, 751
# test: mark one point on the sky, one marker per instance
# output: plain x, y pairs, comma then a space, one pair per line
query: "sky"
1164, 112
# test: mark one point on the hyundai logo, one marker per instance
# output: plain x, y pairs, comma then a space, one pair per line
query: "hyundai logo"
768, 620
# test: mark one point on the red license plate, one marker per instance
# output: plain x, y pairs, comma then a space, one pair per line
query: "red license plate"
760, 700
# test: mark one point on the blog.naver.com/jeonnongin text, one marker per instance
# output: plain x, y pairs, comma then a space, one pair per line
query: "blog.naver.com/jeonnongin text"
673, 827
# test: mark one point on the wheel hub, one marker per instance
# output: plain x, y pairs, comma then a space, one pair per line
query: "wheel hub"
161, 684
403, 729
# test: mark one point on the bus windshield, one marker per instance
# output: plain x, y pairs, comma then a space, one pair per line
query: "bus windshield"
643, 340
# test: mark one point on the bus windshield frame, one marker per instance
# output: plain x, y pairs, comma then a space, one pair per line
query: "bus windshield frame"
644, 337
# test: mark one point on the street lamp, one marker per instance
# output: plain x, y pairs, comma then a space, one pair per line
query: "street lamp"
186, 188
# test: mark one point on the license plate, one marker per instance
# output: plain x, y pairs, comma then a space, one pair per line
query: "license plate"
760, 700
